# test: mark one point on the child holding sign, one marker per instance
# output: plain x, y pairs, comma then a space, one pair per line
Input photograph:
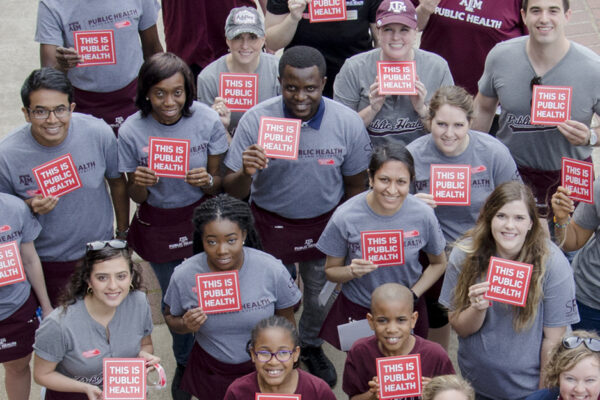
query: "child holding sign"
275, 350
508, 227
386, 207
392, 318
103, 314
358, 84
226, 241
20, 272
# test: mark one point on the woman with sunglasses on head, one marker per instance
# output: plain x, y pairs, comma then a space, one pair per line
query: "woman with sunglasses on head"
503, 348
103, 314
573, 369
274, 347
225, 240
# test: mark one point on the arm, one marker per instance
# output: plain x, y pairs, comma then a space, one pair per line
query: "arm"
147, 351
355, 184
238, 183
200, 177
118, 193
552, 336
572, 237
485, 109
436, 268
470, 320
336, 271
45, 374
61, 58
376, 101
150, 42
190, 322
372, 393
280, 29
42, 205
424, 11
35, 275
287, 313
138, 181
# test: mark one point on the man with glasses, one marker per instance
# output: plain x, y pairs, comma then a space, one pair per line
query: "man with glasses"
544, 57
88, 144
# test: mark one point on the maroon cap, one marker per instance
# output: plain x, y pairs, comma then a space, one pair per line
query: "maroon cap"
397, 12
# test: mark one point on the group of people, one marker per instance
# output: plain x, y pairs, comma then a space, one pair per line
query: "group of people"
363, 165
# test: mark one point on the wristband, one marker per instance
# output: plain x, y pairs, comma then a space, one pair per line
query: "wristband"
415, 297
161, 382
210, 182
561, 226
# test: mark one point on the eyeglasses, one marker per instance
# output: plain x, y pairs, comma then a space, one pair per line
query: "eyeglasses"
572, 342
101, 244
43, 113
266, 356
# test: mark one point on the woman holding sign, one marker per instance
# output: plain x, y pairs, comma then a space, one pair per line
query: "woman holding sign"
237, 285
375, 238
358, 85
182, 142
252, 72
103, 314
504, 347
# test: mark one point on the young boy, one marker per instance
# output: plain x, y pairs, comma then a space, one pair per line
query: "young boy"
392, 318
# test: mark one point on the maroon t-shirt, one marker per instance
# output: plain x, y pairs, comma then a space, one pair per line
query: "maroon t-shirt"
464, 31
309, 386
195, 29
360, 365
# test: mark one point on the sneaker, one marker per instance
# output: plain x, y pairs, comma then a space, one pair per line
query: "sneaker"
177, 393
318, 364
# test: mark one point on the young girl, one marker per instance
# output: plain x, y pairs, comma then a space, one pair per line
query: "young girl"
448, 387
503, 348
102, 315
274, 347
226, 240
387, 206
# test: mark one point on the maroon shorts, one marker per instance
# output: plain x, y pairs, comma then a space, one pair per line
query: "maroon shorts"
53, 395
290, 240
208, 378
58, 275
17, 332
343, 310
160, 235
112, 107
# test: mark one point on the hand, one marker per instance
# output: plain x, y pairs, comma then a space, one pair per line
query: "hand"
151, 359
376, 100
194, 318
562, 205
67, 58
374, 387
297, 8
224, 113
93, 392
144, 176
254, 159
427, 198
418, 100
43, 205
360, 267
577, 133
429, 5
197, 177
476, 293
46, 311
424, 381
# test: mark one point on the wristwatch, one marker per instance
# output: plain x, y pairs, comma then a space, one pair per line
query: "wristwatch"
593, 138
210, 181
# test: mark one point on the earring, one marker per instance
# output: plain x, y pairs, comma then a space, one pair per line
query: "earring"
147, 99
89, 290
131, 286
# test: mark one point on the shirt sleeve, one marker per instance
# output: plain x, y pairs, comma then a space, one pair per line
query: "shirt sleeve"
332, 242
31, 226
288, 293
359, 148
587, 215
208, 87
346, 88
241, 140
217, 143
149, 16
436, 243
148, 325
353, 382
126, 149
453, 269
486, 82
173, 297
505, 168
559, 291
110, 151
48, 28
49, 341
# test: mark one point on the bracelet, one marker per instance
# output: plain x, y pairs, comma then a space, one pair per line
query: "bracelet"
561, 226
121, 233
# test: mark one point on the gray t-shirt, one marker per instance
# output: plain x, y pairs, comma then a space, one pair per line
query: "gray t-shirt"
507, 75
340, 147
491, 165
268, 84
397, 120
341, 238
81, 216
78, 343
206, 135
586, 264
17, 224
265, 286
499, 362
58, 19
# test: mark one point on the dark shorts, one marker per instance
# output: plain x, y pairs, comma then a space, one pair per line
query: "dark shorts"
17, 332
58, 275
436, 313
343, 310
208, 378
53, 395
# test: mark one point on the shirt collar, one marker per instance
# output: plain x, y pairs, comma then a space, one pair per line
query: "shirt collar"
315, 121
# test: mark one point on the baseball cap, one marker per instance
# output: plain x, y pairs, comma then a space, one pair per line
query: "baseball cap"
244, 20
396, 12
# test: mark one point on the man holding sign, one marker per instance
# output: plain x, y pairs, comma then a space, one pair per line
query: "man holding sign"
85, 213
545, 57
298, 196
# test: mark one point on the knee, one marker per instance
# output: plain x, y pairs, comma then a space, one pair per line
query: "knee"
18, 366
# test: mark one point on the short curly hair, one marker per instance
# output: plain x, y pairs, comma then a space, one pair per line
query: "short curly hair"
442, 383
562, 359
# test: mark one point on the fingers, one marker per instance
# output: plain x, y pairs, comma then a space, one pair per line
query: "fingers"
427, 198
254, 159
67, 57
194, 318
476, 293
43, 205
577, 133
197, 177
144, 176
360, 267
562, 204
221, 107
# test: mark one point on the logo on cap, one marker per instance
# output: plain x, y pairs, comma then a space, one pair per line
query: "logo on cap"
244, 18
397, 7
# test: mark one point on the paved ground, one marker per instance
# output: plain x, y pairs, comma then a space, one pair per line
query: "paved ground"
17, 29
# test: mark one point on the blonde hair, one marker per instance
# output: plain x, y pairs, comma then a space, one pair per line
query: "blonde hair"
442, 383
455, 96
562, 359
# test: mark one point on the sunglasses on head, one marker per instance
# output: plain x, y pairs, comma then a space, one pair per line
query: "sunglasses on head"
101, 244
572, 342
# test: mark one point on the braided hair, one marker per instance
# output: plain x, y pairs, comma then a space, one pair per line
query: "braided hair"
224, 206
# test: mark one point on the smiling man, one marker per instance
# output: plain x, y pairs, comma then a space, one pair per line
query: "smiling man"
545, 57
79, 216
292, 200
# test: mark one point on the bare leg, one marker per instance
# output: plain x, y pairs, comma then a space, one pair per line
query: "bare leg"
17, 379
